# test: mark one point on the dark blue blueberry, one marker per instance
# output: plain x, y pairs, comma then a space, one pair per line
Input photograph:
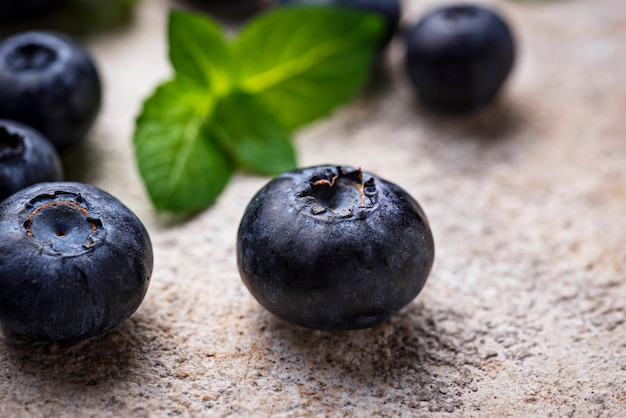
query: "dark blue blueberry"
458, 57
334, 248
389, 9
49, 82
14, 9
26, 158
74, 262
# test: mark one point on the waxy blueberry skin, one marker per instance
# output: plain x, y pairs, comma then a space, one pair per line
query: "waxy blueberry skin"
26, 158
49, 82
334, 248
74, 262
458, 57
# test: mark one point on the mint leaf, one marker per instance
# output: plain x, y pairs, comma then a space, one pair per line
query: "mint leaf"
252, 136
198, 51
233, 105
183, 168
303, 62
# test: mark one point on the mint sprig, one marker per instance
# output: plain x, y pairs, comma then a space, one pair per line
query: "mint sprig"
233, 105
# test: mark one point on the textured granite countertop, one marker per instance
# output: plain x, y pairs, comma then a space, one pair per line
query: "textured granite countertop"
524, 313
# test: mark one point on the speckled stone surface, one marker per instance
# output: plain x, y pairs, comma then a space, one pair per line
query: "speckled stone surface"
524, 313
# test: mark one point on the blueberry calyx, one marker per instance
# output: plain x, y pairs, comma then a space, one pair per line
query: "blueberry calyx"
460, 12
31, 57
11, 144
61, 224
337, 194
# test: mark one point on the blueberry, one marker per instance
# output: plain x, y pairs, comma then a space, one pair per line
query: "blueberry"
74, 262
334, 248
26, 158
389, 9
458, 57
12, 9
49, 82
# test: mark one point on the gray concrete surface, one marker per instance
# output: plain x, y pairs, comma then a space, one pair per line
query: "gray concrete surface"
524, 313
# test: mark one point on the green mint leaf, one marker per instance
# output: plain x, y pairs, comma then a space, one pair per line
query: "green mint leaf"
198, 51
303, 62
182, 166
252, 136
233, 105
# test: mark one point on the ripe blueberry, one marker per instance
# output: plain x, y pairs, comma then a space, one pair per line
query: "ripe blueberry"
74, 262
458, 57
49, 82
388, 9
26, 158
334, 248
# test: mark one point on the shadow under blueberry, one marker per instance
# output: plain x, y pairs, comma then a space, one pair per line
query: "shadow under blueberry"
494, 123
409, 353
95, 362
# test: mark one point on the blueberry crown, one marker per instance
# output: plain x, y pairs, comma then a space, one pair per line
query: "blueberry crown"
62, 223
338, 192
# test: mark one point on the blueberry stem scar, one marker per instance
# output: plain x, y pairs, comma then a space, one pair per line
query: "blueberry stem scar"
29, 222
334, 191
65, 226
31, 57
